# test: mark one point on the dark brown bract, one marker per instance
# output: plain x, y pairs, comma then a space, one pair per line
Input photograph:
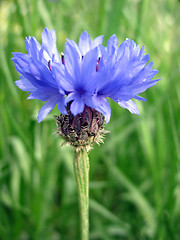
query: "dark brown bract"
82, 130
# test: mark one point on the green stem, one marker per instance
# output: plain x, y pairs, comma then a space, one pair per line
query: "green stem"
81, 169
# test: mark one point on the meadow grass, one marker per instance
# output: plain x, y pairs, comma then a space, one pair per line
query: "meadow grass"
135, 175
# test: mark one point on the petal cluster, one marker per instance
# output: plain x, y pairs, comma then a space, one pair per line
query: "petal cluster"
85, 75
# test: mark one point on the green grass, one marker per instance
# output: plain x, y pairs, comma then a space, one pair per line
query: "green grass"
135, 175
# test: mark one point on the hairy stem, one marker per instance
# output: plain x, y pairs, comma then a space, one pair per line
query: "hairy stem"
81, 169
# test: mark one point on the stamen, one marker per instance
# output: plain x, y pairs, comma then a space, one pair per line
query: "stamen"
62, 58
49, 65
97, 65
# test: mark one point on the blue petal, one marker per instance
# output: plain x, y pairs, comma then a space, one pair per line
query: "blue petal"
145, 58
77, 106
75, 46
42, 73
34, 81
120, 93
112, 45
43, 94
141, 51
49, 43
97, 41
139, 88
21, 62
47, 108
25, 85
84, 43
61, 78
70, 97
140, 98
61, 105
34, 70
143, 74
103, 53
29, 45
101, 104
105, 109
89, 69
120, 50
47, 38
152, 73
33, 48
72, 61
130, 105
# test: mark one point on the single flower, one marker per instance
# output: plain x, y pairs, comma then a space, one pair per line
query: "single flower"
86, 75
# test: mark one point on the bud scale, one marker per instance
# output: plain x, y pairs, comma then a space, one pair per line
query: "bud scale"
82, 130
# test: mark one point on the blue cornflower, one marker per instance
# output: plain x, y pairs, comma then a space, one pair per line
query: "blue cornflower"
85, 75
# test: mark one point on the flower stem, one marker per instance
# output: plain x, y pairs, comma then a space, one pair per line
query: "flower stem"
81, 169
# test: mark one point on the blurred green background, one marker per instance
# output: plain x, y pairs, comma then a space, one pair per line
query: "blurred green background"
135, 175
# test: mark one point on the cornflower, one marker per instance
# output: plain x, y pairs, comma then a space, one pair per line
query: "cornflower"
79, 81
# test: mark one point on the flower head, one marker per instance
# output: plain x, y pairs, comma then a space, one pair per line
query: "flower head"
85, 75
